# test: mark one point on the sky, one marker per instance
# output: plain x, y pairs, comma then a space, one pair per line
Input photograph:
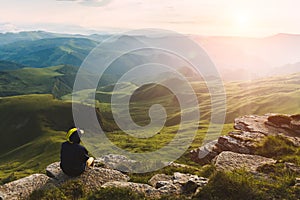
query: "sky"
201, 17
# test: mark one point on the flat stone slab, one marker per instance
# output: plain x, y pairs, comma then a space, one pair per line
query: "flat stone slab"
229, 161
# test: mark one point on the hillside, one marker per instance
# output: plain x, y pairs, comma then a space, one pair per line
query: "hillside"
47, 52
278, 94
6, 38
8, 65
56, 80
32, 130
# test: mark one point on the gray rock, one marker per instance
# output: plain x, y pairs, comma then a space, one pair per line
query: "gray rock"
92, 178
159, 177
22, 188
119, 162
181, 178
179, 183
160, 184
170, 189
205, 153
229, 161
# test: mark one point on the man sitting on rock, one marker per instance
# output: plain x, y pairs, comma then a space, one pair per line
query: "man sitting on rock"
74, 157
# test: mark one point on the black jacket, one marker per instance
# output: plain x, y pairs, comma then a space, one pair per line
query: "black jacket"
73, 158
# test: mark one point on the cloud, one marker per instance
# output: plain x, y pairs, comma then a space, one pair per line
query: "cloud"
8, 27
93, 3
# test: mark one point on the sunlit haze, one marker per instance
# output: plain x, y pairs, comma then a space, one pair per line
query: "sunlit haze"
222, 17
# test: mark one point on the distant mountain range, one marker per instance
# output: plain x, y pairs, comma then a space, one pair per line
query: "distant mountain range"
236, 58
240, 58
47, 52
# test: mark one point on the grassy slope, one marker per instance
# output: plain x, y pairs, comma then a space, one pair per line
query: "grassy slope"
277, 94
32, 130
57, 80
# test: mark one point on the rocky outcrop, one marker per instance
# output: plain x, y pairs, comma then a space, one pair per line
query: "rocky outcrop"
22, 188
229, 161
250, 130
94, 178
162, 184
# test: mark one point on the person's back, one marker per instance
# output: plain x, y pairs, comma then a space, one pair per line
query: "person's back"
73, 156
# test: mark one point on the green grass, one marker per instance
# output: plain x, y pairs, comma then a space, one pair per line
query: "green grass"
279, 148
243, 185
33, 128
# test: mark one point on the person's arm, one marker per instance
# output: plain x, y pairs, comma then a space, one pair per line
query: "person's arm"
89, 160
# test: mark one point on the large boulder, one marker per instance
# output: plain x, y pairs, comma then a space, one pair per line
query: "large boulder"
92, 178
22, 188
229, 161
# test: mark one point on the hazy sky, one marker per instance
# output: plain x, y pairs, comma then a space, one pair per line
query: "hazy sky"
203, 17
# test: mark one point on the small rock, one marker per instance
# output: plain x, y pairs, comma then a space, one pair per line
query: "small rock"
297, 182
170, 189
181, 178
292, 167
160, 184
205, 153
159, 177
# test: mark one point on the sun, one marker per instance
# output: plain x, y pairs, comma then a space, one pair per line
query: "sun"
242, 20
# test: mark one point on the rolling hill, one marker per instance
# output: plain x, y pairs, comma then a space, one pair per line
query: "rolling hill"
8, 65
47, 52
56, 80
6, 38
